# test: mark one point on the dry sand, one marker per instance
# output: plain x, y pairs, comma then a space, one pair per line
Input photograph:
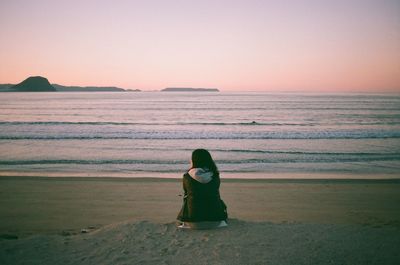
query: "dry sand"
131, 221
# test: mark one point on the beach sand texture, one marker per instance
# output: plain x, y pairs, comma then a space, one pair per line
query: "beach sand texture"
131, 221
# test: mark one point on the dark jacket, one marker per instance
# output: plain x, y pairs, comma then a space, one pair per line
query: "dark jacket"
202, 201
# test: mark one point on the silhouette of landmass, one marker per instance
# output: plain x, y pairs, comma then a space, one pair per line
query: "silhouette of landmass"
189, 89
34, 84
41, 84
5, 86
91, 89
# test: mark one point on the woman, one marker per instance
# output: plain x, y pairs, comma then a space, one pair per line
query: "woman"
202, 205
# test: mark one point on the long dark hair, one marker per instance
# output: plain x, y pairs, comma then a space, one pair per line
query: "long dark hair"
201, 158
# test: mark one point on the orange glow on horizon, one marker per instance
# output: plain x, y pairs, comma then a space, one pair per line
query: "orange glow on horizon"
310, 46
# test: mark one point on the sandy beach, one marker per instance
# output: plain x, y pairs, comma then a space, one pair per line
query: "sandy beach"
131, 221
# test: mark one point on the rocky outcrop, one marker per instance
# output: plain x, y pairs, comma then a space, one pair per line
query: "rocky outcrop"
34, 84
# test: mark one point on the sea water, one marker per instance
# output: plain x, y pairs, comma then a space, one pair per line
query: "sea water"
154, 133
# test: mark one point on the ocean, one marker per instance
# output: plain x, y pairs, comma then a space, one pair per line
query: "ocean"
250, 135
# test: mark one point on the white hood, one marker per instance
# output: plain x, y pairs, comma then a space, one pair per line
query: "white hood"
202, 175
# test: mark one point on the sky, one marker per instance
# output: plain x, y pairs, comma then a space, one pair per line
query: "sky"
249, 45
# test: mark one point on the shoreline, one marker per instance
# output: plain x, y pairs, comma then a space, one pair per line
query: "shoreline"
394, 180
34, 205
71, 220
336, 176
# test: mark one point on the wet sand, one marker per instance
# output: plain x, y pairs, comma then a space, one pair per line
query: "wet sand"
131, 221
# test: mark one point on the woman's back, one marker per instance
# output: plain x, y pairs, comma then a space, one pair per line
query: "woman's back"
202, 201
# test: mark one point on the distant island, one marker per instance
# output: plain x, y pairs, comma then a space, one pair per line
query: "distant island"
41, 84
5, 86
189, 89
34, 84
91, 89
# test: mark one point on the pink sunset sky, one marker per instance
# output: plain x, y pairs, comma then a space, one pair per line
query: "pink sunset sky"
273, 46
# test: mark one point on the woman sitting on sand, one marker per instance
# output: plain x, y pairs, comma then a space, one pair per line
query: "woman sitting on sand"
202, 205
